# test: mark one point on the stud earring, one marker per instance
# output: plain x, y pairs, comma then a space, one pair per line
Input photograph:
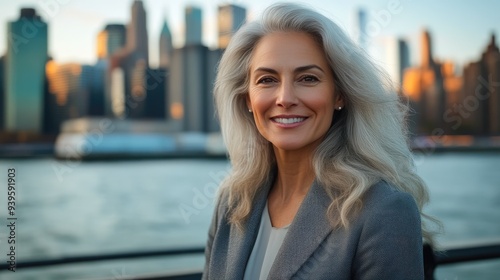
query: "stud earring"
340, 108
250, 110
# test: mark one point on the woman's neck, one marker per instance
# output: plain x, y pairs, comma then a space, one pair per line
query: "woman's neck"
295, 174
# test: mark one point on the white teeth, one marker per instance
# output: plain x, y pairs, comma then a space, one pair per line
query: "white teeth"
288, 120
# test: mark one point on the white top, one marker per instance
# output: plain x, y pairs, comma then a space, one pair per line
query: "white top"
265, 249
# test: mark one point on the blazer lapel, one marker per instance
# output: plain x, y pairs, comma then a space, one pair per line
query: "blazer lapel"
309, 228
241, 243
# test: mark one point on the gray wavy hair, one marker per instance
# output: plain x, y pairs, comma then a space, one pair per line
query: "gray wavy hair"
367, 141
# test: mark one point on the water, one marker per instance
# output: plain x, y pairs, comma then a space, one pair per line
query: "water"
68, 209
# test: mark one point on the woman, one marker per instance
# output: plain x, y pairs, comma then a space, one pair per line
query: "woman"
322, 183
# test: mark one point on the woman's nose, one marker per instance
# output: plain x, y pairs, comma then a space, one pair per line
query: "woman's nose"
286, 95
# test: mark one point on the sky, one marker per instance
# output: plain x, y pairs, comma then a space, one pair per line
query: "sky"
460, 29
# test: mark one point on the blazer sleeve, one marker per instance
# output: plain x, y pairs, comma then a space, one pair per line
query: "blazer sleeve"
211, 233
390, 244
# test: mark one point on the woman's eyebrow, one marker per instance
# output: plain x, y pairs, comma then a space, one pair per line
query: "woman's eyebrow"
308, 67
266, 69
296, 70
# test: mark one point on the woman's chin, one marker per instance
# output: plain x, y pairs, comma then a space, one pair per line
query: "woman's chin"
290, 146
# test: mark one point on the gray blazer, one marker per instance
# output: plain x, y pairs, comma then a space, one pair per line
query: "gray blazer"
383, 242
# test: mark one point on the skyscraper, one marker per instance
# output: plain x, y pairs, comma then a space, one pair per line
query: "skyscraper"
453, 88
25, 72
230, 18
156, 103
132, 58
491, 64
195, 92
166, 57
426, 59
166, 47
478, 120
175, 88
75, 91
397, 59
137, 33
434, 97
213, 59
193, 26
110, 40
61, 103
2, 95
425, 88
482, 86
115, 93
362, 21
93, 80
190, 88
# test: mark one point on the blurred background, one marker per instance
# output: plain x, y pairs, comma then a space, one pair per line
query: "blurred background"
106, 114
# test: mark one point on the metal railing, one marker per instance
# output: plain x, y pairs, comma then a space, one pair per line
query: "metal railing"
104, 257
432, 259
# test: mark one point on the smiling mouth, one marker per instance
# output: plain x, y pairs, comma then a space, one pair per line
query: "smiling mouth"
288, 120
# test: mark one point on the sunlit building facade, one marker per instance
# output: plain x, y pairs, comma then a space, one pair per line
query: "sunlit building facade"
230, 19
62, 96
424, 87
110, 40
454, 89
74, 91
446, 102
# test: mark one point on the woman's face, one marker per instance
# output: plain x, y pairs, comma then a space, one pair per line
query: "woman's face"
291, 92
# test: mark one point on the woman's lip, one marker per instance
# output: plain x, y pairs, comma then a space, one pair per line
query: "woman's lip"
288, 116
299, 120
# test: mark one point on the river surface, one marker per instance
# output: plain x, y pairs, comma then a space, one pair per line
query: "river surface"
101, 207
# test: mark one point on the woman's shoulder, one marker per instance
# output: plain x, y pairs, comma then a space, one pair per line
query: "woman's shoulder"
383, 199
389, 235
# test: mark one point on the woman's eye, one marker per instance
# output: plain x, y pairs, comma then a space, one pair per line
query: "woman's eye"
265, 80
309, 79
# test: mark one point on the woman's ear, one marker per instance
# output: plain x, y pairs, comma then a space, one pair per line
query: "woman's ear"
339, 101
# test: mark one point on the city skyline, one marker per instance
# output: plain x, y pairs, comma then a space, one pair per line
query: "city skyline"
123, 85
90, 17
117, 85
